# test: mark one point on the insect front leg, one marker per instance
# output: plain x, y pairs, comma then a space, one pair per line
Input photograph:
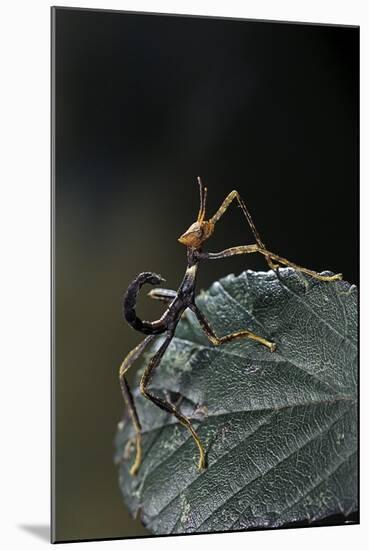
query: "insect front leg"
165, 405
252, 248
218, 340
163, 294
222, 209
128, 398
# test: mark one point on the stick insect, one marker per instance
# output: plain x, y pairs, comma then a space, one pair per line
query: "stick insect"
178, 301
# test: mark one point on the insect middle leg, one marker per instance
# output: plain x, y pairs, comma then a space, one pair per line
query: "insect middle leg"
165, 405
218, 340
128, 398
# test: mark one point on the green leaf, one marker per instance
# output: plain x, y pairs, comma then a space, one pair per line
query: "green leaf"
280, 429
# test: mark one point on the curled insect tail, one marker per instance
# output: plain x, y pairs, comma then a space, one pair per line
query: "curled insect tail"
130, 299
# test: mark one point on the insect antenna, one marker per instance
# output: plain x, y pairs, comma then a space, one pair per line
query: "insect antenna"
203, 193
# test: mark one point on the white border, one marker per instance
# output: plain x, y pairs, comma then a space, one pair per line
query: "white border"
25, 282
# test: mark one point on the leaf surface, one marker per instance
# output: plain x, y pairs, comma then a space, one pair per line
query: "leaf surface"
279, 429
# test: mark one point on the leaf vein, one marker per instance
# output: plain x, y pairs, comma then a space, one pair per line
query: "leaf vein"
316, 436
319, 482
315, 313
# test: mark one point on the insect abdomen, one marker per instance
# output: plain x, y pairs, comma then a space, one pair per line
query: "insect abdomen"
130, 299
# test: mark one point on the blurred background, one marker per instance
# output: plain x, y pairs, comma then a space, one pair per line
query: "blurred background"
143, 105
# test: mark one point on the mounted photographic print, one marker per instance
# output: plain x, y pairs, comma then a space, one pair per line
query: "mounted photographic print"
205, 179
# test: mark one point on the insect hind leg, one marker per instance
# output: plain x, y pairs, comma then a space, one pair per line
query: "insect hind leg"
165, 405
128, 398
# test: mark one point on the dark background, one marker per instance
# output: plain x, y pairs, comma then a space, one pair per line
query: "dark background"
143, 105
